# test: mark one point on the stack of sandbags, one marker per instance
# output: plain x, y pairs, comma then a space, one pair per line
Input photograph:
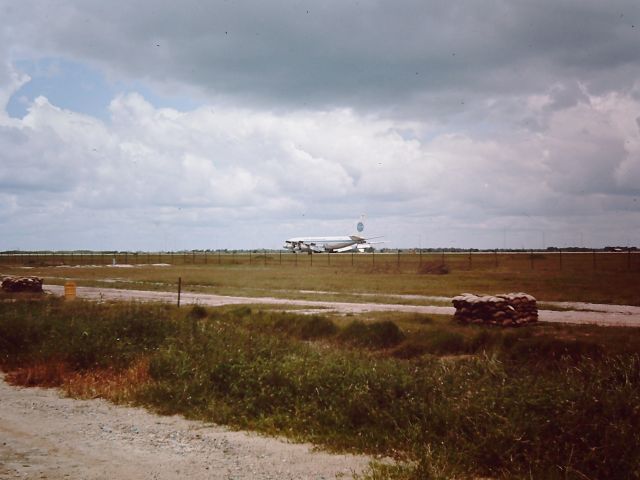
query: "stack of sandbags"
508, 310
22, 284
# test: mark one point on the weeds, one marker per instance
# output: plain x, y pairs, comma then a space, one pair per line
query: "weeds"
374, 335
304, 327
531, 403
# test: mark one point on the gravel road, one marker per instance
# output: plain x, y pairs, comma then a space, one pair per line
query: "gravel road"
579, 313
46, 436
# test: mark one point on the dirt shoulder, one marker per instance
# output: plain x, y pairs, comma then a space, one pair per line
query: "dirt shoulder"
46, 436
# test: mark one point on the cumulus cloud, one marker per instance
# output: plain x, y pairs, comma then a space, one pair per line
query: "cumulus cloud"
227, 163
448, 123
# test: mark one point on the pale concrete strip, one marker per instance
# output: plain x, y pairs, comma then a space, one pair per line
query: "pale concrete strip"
621, 316
207, 299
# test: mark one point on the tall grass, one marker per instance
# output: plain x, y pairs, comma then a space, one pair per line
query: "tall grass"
515, 405
82, 334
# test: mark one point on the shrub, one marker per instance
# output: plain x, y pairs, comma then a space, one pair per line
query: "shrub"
317, 327
372, 335
198, 312
433, 268
305, 327
543, 348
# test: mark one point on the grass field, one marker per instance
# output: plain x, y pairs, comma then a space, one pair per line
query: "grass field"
443, 400
603, 278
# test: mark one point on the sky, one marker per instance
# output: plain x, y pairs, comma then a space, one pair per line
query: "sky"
161, 125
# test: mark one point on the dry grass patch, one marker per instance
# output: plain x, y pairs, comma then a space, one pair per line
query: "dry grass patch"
119, 386
44, 374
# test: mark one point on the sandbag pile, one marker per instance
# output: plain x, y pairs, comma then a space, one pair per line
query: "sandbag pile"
507, 310
22, 284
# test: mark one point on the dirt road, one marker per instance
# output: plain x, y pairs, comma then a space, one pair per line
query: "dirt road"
46, 436
579, 313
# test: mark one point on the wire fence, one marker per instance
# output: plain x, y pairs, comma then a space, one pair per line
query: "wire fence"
401, 260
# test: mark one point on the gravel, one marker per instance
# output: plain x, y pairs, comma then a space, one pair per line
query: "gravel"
46, 436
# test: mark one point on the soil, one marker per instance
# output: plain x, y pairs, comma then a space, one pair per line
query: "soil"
46, 436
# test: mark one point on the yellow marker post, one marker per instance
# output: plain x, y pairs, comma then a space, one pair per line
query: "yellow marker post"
70, 291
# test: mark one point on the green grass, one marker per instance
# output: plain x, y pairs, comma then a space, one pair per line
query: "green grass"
446, 401
613, 280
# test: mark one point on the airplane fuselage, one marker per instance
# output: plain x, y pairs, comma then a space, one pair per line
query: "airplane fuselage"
322, 244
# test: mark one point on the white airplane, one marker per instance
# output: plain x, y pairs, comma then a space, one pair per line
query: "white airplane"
347, 243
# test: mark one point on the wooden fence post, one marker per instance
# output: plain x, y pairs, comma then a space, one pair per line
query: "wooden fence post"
560, 253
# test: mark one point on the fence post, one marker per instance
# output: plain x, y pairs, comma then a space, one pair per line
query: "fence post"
560, 252
398, 262
352, 259
179, 289
265, 258
469, 259
531, 253
421, 256
280, 257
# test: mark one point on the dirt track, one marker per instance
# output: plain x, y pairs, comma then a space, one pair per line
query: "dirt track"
46, 436
579, 313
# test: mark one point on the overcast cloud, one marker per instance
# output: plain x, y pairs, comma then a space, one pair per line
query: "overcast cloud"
172, 125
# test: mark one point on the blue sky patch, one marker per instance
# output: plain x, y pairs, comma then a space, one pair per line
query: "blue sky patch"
79, 87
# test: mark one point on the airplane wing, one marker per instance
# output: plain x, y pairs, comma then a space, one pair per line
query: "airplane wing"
359, 239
